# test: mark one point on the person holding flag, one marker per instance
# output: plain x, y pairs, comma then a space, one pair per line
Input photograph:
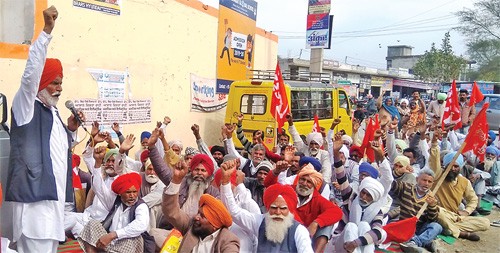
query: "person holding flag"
452, 187
467, 111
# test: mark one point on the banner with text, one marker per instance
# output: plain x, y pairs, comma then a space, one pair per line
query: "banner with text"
235, 41
107, 111
203, 96
318, 30
106, 6
110, 83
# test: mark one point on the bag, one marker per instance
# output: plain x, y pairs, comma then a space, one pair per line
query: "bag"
172, 242
149, 242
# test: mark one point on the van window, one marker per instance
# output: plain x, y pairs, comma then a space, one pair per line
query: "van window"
343, 100
306, 104
253, 104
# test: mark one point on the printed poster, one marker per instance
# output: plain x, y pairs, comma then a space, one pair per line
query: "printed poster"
318, 29
110, 83
235, 41
105, 6
108, 111
203, 95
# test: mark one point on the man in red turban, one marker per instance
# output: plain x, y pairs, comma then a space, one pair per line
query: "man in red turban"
125, 223
39, 136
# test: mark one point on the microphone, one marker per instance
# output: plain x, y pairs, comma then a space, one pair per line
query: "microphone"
69, 104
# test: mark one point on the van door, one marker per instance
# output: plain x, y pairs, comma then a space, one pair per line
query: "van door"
254, 102
343, 109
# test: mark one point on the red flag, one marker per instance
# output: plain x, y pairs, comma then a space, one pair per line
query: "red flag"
371, 127
77, 183
477, 138
316, 128
279, 101
476, 96
451, 113
401, 231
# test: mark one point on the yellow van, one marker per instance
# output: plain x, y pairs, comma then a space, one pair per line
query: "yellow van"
307, 96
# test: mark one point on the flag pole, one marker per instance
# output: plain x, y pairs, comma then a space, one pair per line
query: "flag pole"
442, 178
276, 127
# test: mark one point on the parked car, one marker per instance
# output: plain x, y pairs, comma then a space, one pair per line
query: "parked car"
493, 112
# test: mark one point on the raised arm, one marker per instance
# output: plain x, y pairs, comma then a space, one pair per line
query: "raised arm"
170, 206
247, 145
161, 168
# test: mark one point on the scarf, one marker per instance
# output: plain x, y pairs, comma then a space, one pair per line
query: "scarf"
392, 109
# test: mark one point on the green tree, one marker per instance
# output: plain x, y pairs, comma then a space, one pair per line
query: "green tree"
439, 65
481, 27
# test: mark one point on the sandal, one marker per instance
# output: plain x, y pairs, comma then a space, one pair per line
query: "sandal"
495, 223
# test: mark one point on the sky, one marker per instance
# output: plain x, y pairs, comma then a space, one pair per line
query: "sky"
362, 29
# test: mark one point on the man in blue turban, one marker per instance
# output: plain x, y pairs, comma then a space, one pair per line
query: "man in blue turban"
454, 189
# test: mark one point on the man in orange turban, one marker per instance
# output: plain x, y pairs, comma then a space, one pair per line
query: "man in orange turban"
208, 230
39, 136
125, 184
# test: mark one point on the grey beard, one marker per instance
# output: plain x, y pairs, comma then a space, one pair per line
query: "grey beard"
303, 192
47, 98
488, 164
313, 151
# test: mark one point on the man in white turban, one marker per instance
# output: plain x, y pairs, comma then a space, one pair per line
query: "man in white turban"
312, 148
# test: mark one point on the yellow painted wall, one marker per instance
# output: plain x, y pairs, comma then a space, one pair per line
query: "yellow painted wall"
160, 42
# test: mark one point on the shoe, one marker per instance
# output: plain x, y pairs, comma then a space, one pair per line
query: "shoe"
447, 232
431, 247
474, 213
410, 247
469, 236
483, 211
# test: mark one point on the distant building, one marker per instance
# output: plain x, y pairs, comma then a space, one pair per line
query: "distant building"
400, 57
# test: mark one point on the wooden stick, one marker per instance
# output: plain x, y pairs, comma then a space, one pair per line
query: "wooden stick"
442, 178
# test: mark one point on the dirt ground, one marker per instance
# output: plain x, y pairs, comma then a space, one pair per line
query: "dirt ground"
490, 240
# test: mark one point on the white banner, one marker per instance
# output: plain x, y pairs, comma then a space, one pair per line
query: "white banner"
111, 84
203, 96
106, 111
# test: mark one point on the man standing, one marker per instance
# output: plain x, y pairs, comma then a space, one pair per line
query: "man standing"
39, 177
436, 107
468, 113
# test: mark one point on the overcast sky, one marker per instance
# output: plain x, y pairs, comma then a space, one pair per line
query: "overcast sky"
416, 23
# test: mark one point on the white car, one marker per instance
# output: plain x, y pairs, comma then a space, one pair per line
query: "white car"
493, 112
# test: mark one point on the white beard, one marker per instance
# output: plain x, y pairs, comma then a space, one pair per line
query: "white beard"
313, 151
488, 164
47, 98
277, 230
196, 189
152, 179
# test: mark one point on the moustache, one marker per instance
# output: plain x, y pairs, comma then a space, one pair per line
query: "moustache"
277, 216
56, 94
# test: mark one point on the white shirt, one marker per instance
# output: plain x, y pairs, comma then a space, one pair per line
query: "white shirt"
126, 229
43, 219
248, 241
205, 245
252, 221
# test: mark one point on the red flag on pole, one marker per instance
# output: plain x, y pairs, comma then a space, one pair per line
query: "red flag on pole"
279, 101
477, 138
401, 231
371, 127
451, 113
476, 96
316, 128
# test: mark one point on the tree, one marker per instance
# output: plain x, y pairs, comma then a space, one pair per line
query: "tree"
439, 65
481, 27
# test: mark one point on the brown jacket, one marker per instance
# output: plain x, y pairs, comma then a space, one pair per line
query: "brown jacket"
468, 113
225, 241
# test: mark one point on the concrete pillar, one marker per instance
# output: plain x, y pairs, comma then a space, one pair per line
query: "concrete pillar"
316, 60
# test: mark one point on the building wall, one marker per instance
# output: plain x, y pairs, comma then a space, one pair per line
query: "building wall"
404, 62
160, 42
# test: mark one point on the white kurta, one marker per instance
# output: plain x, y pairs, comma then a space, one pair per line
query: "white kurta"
42, 219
